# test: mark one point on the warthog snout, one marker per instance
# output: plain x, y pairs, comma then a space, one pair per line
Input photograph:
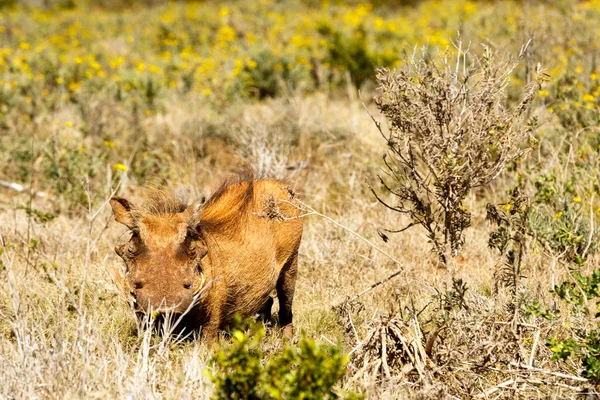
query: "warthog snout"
145, 301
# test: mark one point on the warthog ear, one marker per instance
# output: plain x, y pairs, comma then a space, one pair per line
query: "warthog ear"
121, 208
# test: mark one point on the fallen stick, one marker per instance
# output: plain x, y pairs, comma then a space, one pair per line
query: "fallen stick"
531, 381
542, 383
494, 389
547, 372
19, 188
534, 348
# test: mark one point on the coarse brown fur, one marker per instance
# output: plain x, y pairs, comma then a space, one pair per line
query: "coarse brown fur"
228, 249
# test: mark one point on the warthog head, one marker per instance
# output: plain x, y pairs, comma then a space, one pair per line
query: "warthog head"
163, 257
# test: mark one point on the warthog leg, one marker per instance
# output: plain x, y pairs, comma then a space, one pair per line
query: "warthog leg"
286, 285
265, 311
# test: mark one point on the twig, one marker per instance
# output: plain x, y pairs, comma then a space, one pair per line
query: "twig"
510, 382
534, 348
518, 324
589, 243
547, 372
312, 211
431, 340
384, 363
373, 286
562, 385
494, 389
327, 340
352, 325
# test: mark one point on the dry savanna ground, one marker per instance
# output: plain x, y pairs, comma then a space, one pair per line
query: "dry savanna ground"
183, 94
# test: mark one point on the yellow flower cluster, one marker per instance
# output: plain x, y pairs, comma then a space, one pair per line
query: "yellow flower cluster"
219, 52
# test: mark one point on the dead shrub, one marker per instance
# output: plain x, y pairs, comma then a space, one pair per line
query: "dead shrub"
450, 130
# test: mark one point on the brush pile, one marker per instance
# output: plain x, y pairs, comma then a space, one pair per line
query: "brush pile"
392, 349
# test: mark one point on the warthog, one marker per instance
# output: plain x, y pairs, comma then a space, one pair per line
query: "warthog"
207, 261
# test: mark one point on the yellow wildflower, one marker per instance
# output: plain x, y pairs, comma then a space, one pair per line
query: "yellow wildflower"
73, 86
120, 167
588, 97
225, 35
153, 68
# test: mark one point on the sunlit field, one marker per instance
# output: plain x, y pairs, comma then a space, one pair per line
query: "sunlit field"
105, 98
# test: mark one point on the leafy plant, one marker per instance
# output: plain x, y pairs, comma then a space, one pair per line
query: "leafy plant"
581, 289
266, 75
587, 350
308, 371
584, 345
39, 216
509, 237
349, 52
562, 228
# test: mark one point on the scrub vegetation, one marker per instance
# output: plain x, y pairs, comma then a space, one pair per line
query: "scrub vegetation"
446, 155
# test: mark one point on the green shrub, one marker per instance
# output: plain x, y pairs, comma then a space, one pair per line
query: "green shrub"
350, 52
306, 371
563, 228
7, 3
266, 75
584, 345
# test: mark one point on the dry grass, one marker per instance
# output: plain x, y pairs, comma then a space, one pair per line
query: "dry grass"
66, 332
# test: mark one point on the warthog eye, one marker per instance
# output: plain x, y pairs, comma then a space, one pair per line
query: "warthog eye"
132, 253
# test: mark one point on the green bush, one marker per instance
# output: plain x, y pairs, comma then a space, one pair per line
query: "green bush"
584, 346
564, 228
267, 75
306, 371
7, 3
